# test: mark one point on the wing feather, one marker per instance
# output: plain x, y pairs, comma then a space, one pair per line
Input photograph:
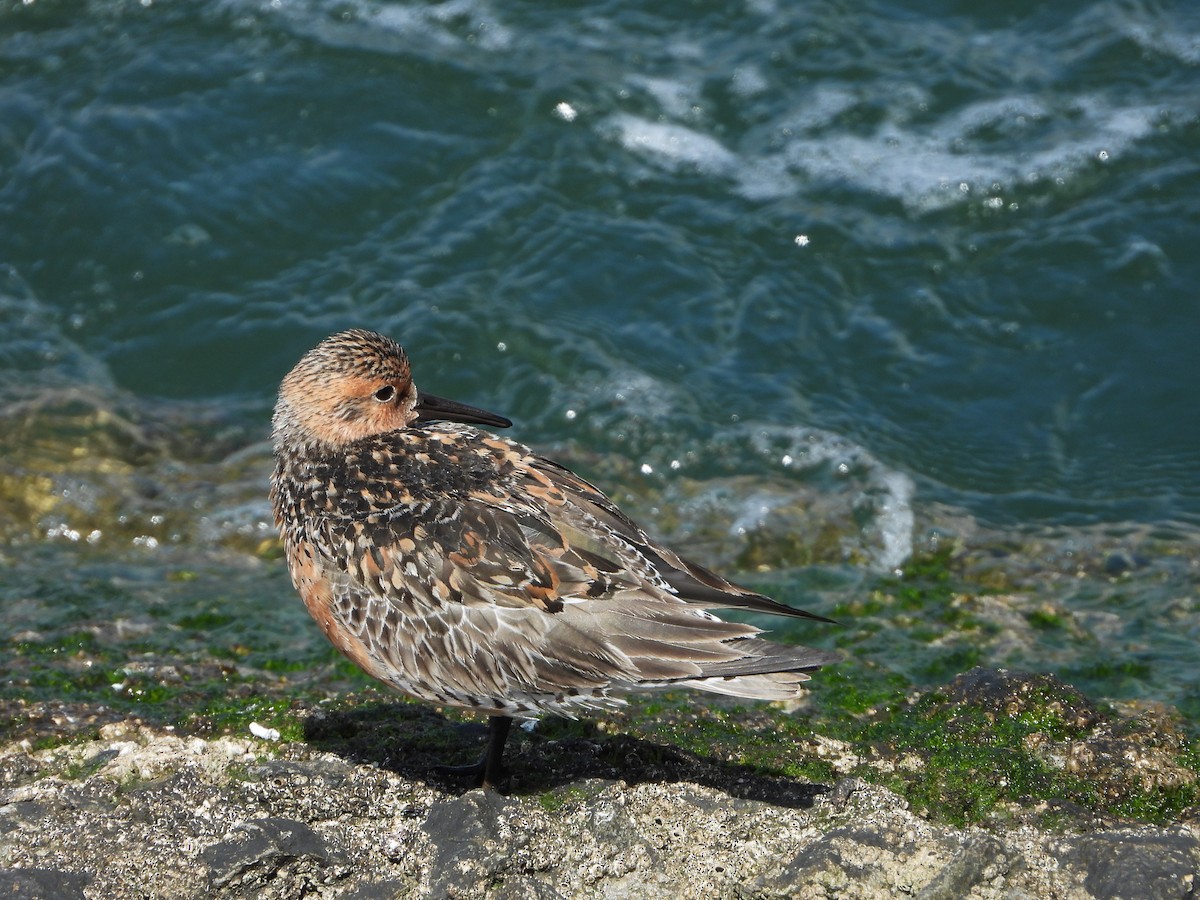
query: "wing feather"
547, 588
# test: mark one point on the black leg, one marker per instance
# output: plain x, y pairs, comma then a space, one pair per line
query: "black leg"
489, 769
493, 759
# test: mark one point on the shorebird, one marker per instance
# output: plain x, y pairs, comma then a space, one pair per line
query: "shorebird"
463, 569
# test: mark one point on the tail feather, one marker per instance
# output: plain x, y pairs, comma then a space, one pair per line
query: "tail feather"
780, 686
768, 658
765, 671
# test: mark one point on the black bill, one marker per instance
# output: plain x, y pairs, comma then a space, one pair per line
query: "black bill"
430, 407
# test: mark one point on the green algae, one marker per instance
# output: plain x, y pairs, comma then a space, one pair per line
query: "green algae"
954, 758
557, 800
1045, 619
186, 660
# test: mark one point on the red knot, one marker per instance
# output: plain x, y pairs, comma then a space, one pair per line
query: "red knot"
461, 568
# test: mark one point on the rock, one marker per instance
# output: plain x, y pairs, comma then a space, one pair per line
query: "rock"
1135, 864
375, 890
141, 812
42, 884
999, 693
1038, 739
884, 851
256, 852
471, 843
981, 859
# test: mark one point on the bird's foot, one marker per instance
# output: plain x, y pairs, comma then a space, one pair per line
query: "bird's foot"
488, 772
476, 772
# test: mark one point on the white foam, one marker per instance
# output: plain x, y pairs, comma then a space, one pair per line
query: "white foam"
361, 24
748, 81
923, 165
895, 521
673, 146
754, 511
819, 108
1165, 35
929, 168
637, 390
675, 97
884, 495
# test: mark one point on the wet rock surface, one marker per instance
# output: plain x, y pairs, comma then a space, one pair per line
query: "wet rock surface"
139, 811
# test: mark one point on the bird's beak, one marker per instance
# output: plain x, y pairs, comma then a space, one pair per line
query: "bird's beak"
430, 407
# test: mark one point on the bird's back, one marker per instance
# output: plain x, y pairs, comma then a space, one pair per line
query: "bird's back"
461, 568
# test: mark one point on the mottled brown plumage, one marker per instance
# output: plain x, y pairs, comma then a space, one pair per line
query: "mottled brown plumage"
460, 568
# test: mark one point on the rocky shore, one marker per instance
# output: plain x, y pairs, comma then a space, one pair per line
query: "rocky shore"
172, 725
355, 810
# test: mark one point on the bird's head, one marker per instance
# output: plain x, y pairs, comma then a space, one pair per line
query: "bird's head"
355, 384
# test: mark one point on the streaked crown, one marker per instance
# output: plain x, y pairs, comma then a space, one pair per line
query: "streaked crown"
351, 385
355, 384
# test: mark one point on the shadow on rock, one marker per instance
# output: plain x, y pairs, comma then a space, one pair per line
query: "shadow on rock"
413, 741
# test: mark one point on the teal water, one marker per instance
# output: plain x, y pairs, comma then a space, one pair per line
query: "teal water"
876, 276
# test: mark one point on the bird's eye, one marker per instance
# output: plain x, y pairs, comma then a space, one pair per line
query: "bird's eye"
385, 393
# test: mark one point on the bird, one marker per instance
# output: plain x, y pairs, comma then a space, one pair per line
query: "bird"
463, 569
